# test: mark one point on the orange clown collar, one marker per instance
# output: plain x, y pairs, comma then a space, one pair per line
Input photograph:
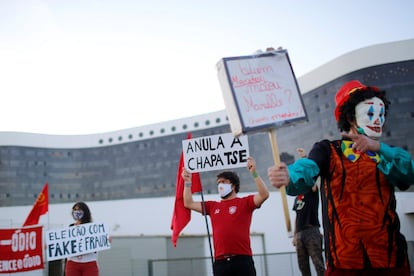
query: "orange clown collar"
343, 94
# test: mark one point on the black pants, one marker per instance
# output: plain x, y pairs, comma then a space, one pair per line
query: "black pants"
239, 265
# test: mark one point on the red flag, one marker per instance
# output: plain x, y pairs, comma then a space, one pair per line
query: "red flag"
181, 216
39, 208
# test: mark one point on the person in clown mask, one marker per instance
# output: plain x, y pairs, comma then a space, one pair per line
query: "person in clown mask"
359, 175
82, 265
231, 219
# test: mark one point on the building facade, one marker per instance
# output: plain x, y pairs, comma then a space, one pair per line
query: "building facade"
142, 162
128, 177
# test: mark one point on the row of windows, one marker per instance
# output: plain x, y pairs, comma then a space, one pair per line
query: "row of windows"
162, 131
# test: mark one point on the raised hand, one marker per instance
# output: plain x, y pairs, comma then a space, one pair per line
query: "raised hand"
362, 143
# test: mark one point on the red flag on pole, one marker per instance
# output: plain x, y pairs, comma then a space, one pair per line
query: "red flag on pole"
182, 216
40, 207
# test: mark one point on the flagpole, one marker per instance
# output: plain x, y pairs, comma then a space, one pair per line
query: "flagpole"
208, 229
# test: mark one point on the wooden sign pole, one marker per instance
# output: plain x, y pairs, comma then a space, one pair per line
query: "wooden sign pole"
282, 190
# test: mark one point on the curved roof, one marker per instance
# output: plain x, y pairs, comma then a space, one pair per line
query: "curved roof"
188, 124
355, 60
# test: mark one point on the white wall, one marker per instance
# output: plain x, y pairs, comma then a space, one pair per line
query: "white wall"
152, 216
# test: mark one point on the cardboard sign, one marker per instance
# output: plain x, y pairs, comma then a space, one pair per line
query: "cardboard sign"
76, 240
21, 249
260, 91
216, 152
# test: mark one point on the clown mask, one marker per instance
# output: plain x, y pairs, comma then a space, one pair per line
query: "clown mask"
370, 117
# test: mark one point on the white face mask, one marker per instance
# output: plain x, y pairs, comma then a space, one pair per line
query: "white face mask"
370, 117
224, 189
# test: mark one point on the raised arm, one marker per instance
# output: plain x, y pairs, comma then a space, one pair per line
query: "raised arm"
188, 195
262, 192
396, 163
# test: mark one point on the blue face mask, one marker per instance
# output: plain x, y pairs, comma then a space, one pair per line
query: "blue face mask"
77, 214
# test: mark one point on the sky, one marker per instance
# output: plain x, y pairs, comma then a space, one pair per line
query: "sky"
88, 66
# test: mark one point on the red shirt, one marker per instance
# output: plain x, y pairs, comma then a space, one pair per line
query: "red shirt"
231, 221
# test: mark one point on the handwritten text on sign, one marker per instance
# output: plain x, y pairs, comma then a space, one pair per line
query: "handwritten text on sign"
215, 152
265, 90
76, 240
21, 249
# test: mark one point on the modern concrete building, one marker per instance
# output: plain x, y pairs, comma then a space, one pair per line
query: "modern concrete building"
128, 177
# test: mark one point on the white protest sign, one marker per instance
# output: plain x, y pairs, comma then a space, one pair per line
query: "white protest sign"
216, 152
76, 240
260, 91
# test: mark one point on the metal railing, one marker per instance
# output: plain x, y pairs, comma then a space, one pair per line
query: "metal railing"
266, 265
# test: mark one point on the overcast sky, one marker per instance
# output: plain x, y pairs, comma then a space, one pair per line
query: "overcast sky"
89, 66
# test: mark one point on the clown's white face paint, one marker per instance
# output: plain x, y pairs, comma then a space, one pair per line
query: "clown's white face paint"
370, 117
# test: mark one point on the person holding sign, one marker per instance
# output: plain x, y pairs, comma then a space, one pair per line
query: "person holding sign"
231, 219
358, 177
82, 265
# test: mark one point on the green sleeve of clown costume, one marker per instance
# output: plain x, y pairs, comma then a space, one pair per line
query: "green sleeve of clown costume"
396, 164
303, 174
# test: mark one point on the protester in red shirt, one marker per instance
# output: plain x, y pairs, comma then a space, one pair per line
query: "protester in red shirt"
231, 219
